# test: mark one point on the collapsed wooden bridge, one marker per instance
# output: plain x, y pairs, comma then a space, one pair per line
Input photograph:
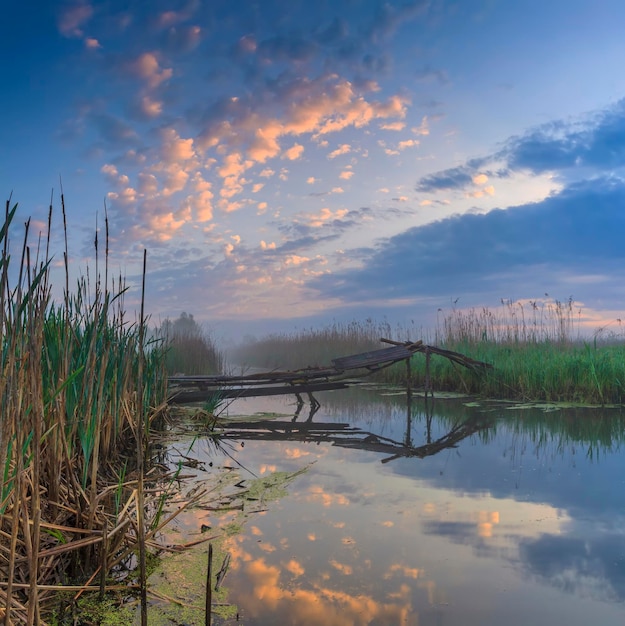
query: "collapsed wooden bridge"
339, 375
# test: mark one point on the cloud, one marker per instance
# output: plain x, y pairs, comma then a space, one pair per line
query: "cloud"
537, 247
174, 149
582, 566
294, 152
342, 149
148, 68
310, 107
423, 128
393, 126
592, 145
408, 143
319, 219
346, 174
148, 184
452, 178
149, 107
74, 18
113, 130
597, 142
430, 74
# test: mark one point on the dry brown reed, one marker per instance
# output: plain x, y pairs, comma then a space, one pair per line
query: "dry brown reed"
69, 411
515, 321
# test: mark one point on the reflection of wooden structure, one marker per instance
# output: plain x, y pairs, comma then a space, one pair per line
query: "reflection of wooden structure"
345, 436
307, 380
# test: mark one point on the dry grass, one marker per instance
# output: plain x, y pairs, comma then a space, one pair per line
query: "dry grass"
71, 391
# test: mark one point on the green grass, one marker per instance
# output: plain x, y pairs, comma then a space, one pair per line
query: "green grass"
537, 351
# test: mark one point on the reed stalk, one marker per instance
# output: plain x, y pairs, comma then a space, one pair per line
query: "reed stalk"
69, 404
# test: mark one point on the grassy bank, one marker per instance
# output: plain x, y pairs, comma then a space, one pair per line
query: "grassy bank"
77, 389
536, 350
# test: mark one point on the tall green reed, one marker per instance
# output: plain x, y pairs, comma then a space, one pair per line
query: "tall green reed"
68, 402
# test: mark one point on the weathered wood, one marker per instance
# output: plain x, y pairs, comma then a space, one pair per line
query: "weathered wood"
275, 425
183, 396
373, 358
185, 389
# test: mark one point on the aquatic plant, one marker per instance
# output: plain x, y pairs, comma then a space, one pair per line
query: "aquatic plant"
76, 387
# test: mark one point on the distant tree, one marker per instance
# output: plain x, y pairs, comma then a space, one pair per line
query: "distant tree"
191, 349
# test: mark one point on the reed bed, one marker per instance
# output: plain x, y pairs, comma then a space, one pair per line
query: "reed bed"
538, 351
311, 347
76, 388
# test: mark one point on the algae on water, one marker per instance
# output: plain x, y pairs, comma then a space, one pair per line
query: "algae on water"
179, 581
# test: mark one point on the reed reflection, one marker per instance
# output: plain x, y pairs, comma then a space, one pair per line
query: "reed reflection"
427, 513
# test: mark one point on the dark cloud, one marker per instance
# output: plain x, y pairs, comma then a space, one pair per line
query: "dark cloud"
388, 17
596, 144
286, 48
578, 231
591, 566
453, 178
599, 143
302, 230
333, 33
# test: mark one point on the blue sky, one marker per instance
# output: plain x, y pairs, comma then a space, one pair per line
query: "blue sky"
293, 163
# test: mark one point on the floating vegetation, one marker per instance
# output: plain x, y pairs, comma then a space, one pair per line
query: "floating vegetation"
178, 584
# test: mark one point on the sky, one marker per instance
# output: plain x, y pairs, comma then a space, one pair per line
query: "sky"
292, 164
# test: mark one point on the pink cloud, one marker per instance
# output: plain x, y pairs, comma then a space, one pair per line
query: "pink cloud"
342, 149
148, 68
174, 148
150, 107
294, 152
73, 18
408, 143
315, 107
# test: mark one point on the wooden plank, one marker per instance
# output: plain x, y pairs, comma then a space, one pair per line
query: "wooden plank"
373, 358
184, 396
234, 425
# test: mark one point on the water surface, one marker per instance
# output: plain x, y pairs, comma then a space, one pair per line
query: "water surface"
520, 521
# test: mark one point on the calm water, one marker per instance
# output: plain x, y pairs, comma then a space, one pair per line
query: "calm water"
521, 522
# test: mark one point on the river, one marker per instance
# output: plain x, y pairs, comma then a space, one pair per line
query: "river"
454, 513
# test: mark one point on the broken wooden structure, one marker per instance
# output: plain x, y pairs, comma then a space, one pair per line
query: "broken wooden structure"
339, 375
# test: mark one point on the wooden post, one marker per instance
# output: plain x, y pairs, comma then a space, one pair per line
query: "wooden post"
428, 384
209, 589
408, 379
